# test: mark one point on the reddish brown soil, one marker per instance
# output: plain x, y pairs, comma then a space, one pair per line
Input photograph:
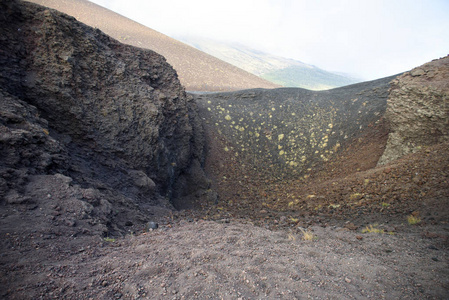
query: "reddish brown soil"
348, 188
250, 245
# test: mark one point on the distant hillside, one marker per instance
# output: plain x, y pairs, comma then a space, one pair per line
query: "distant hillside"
309, 78
197, 71
280, 70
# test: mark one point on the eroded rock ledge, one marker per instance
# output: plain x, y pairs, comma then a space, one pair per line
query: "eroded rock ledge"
418, 109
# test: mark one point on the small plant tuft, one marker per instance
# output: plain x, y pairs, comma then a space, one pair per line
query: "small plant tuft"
294, 220
108, 239
372, 229
307, 235
413, 220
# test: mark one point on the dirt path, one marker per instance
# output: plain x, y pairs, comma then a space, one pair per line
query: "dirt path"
213, 260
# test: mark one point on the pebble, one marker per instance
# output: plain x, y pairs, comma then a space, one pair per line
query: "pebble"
351, 226
152, 225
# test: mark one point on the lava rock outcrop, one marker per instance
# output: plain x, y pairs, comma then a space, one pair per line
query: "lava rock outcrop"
111, 117
418, 109
287, 132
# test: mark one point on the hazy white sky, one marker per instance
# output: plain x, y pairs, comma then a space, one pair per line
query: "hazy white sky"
368, 38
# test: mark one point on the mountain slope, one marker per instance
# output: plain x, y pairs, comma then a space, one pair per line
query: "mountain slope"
197, 71
96, 136
309, 78
280, 70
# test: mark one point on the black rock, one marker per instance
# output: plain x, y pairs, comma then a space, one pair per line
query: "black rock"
152, 225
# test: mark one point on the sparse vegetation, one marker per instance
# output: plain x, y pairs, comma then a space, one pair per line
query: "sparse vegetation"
307, 235
294, 220
413, 220
356, 196
108, 239
374, 229
334, 206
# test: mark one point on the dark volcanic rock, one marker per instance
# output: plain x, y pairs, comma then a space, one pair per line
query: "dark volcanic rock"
26, 148
110, 116
287, 132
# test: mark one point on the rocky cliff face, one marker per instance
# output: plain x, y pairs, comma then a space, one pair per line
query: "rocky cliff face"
289, 132
263, 142
112, 119
418, 109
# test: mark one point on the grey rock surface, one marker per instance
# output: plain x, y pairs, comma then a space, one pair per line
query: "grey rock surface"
418, 109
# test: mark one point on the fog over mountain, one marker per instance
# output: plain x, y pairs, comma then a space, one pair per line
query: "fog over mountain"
372, 39
280, 70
